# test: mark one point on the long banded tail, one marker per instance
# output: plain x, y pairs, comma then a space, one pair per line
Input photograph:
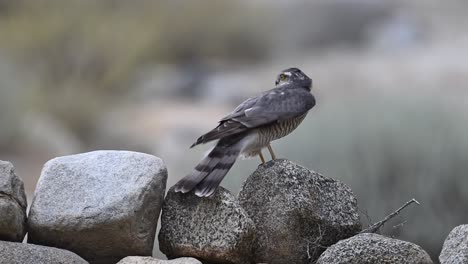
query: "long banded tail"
209, 173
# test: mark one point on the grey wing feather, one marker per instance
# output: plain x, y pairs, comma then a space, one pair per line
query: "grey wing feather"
271, 106
240, 109
227, 125
277, 105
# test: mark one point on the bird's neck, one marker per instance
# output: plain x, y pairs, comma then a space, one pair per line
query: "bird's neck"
307, 84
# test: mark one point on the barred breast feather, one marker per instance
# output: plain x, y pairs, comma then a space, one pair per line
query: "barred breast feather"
268, 133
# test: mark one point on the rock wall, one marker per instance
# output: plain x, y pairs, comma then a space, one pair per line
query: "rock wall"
103, 207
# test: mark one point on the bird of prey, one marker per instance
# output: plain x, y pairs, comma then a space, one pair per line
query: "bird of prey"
249, 128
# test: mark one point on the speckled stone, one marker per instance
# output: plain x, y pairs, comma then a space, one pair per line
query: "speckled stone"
212, 229
12, 204
455, 249
102, 205
20, 253
150, 260
371, 248
297, 212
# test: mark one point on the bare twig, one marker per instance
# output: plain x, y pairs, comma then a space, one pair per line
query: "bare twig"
375, 227
366, 214
316, 243
399, 225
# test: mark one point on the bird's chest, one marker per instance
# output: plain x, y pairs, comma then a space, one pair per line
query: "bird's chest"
278, 129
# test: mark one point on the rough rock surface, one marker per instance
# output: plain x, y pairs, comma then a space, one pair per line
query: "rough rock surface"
102, 205
150, 260
455, 249
13, 204
297, 212
214, 229
19, 253
372, 248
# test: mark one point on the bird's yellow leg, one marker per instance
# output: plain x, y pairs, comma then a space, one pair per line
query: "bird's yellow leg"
273, 156
261, 156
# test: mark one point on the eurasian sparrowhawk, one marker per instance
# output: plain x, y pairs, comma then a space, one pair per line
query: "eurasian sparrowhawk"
250, 128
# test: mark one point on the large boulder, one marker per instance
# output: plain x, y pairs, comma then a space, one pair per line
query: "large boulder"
102, 205
297, 212
19, 253
13, 204
372, 248
150, 260
455, 249
214, 229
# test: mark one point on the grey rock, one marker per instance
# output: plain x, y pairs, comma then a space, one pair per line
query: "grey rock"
150, 260
455, 249
372, 248
214, 229
297, 212
13, 204
102, 205
19, 253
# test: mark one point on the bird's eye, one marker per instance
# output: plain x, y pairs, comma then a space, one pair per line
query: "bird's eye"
282, 77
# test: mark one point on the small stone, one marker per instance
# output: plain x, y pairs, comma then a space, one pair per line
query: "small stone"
102, 205
19, 253
297, 212
455, 249
13, 204
373, 248
214, 229
150, 260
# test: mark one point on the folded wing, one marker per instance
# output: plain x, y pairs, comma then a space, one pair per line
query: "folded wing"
272, 106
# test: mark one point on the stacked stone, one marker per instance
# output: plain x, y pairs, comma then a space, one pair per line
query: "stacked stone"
103, 206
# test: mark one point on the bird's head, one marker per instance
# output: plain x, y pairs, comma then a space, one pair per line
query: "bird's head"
293, 76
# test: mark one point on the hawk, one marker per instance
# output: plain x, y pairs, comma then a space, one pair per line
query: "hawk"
249, 128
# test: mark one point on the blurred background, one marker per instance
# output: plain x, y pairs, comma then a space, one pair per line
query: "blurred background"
390, 78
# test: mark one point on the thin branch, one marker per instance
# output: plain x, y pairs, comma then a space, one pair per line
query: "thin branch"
375, 227
366, 214
315, 243
399, 225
